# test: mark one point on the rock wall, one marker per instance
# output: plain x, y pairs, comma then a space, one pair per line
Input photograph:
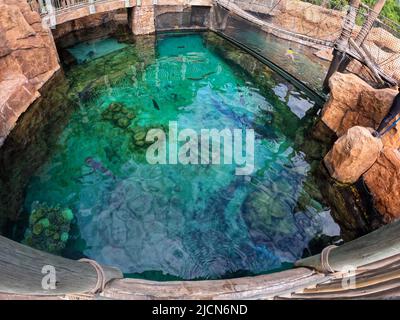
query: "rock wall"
353, 102
311, 20
383, 181
28, 58
88, 22
29, 145
141, 20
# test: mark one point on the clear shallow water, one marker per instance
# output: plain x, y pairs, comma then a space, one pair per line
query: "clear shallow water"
193, 221
91, 50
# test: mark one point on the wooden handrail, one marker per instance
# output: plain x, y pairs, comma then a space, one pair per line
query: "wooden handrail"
22, 270
376, 246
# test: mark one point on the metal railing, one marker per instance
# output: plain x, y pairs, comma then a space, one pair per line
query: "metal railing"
58, 6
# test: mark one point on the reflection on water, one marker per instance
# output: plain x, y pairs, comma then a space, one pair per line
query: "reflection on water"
189, 221
306, 67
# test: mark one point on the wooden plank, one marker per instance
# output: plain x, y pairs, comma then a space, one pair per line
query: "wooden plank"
359, 282
375, 246
258, 287
21, 271
351, 293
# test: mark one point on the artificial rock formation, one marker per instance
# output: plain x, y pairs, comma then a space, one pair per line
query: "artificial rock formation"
28, 58
383, 181
353, 102
84, 23
353, 154
309, 19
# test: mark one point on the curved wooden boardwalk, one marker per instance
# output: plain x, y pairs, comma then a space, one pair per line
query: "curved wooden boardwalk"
368, 267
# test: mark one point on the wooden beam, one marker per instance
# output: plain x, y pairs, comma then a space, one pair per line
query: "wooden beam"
366, 60
258, 287
377, 245
341, 44
21, 271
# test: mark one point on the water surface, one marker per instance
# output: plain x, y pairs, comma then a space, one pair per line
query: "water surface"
186, 221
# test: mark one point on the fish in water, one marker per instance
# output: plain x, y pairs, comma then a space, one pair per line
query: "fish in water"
155, 104
202, 77
91, 54
181, 47
208, 74
86, 93
195, 78
98, 166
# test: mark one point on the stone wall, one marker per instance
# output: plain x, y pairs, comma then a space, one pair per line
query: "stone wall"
141, 20
87, 22
353, 102
383, 181
28, 58
352, 106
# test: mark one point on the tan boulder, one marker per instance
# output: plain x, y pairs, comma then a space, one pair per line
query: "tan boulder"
383, 181
353, 102
353, 154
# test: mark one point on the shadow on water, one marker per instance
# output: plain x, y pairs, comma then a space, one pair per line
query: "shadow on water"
29, 146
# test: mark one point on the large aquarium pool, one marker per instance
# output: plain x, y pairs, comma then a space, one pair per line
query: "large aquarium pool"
97, 193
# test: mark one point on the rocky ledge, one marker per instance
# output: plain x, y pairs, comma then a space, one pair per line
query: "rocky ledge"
28, 58
353, 102
352, 112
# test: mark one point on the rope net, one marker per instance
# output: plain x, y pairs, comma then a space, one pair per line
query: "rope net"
382, 44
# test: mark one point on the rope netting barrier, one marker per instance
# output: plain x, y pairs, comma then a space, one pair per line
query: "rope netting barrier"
382, 44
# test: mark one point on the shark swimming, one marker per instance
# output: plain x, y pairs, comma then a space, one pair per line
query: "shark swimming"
155, 104
98, 167
265, 131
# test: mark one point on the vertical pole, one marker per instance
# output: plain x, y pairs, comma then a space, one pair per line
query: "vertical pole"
51, 13
366, 28
92, 8
341, 44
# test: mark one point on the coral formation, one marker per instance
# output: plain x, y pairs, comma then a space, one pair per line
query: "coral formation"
118, 115
48, 228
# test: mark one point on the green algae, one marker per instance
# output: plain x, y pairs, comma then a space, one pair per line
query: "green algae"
48, 228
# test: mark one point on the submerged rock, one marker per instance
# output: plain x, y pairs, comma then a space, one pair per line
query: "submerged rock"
383, 181
353, 154
118, 115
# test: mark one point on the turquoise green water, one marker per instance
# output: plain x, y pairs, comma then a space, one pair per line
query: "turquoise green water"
186, 221
91, 50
